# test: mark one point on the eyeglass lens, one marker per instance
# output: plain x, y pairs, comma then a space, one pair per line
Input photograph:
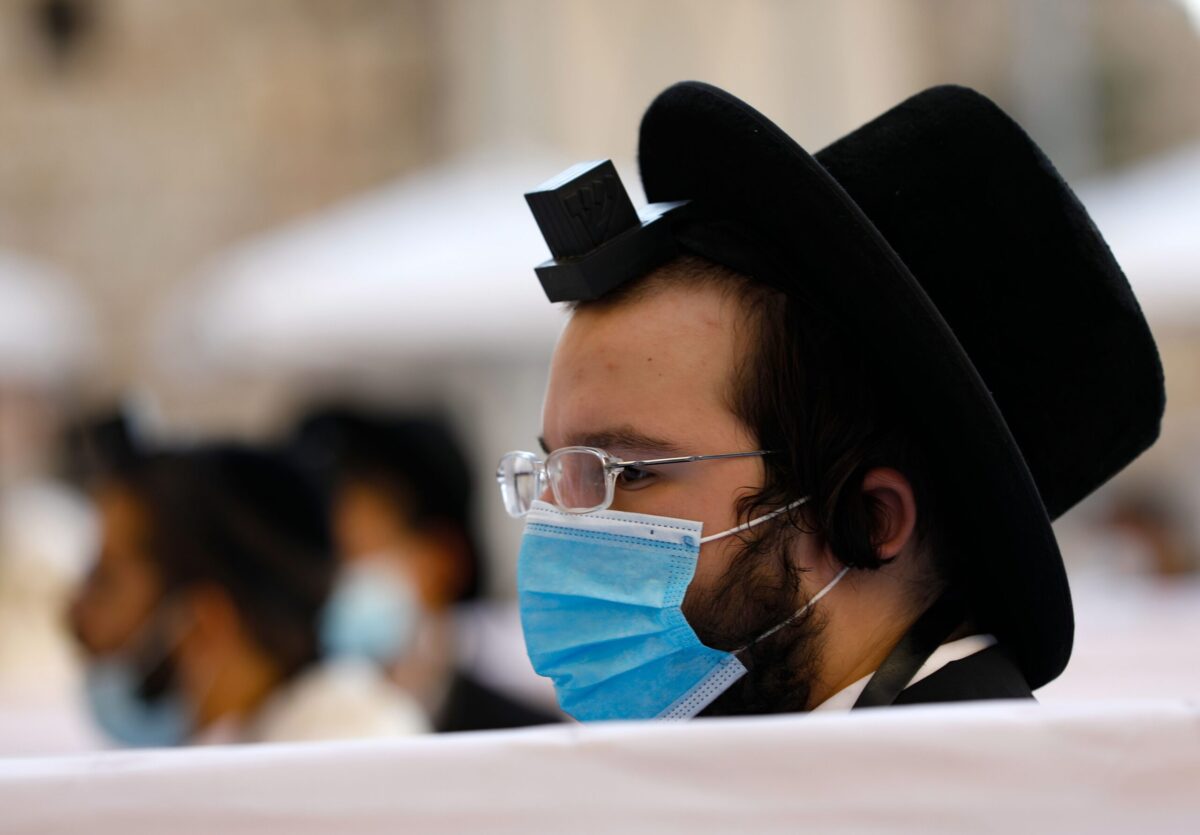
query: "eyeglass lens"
578, 479
519, 483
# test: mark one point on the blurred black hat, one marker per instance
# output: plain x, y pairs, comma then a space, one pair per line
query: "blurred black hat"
417, 454
248, 521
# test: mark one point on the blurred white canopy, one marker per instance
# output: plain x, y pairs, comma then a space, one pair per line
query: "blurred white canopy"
437, 264
440, 264
45, 331
1150, 216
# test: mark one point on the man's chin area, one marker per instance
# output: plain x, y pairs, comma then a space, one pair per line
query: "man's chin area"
779, 674
781, 667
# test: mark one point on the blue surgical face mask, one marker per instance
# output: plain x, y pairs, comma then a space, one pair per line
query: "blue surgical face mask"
371, 613
600, 597
112, 687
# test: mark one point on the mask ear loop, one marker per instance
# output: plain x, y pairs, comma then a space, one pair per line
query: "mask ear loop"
754, 522
799, 612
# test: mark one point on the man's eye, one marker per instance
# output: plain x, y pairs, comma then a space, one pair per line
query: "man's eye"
634, 477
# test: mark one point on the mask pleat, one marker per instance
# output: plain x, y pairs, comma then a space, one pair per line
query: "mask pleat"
593, 621
627, 696
618, 572
579, 665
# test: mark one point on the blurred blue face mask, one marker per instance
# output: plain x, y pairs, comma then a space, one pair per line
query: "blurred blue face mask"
372, 613
600, 597
112, 686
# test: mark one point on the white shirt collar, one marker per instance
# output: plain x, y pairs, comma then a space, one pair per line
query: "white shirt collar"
845, 698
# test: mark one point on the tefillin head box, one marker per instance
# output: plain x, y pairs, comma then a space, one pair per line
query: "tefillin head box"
597, 240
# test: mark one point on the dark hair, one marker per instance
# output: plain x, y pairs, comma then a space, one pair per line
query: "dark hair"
99, 447
415, 459
247, 522
806, 391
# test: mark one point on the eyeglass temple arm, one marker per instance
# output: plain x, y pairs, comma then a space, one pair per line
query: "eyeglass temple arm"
685, 459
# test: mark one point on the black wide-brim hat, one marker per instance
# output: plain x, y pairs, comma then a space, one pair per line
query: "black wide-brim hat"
950, 246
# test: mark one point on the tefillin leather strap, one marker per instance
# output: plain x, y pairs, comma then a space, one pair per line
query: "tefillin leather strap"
929, 632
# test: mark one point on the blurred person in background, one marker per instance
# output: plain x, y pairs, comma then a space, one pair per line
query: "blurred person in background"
399, 493
199, 619
47, 530
1154, 534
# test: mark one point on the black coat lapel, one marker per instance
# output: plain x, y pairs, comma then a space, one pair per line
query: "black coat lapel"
988, 674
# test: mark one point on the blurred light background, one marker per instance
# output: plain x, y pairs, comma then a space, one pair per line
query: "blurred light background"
216, 212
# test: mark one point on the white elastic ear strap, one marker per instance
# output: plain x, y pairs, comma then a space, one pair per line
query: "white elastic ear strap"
799, 612
753, 522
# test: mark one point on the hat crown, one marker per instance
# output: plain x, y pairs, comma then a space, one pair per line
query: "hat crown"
1012, 261
996, 240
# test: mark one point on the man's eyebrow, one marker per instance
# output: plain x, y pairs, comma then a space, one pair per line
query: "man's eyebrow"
625, 438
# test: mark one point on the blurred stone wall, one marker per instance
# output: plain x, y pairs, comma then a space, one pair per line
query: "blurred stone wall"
139, 136
1120, 77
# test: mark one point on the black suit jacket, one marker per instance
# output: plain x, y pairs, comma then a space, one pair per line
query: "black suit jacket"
473, 706
988, 674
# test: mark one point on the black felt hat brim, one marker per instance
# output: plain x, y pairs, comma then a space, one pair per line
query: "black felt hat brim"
698, 142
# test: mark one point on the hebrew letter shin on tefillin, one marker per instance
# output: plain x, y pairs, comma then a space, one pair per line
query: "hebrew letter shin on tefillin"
593, 204
582, 208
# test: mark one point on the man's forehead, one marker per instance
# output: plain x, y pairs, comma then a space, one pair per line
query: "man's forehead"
627, 437
645, 374
676, 323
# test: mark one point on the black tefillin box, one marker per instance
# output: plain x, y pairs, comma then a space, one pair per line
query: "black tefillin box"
597, 240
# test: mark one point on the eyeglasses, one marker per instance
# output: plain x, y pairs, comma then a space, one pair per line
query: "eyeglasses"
582, 479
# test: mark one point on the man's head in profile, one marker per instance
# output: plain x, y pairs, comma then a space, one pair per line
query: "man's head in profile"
805, 432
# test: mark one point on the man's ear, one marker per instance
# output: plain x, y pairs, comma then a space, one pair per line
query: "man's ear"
894, 510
